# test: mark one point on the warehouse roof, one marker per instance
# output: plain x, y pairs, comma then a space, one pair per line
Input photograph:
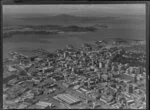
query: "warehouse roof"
44, 104
68, 98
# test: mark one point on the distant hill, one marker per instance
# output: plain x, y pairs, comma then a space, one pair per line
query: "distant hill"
64, 18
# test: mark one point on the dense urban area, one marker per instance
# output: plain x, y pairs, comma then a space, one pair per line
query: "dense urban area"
94, 76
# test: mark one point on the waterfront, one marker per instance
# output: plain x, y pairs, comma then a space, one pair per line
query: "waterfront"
53, 42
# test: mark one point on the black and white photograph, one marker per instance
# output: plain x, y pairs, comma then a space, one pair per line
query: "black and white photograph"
74, 56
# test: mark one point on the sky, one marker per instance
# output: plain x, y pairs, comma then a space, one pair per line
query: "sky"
84, 10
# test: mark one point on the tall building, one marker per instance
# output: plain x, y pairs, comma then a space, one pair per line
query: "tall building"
94, 105
100, 65
65, 54
119, 67
130, 89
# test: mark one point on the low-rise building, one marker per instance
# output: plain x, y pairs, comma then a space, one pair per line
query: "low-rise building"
76, 87
66, 84
11, 69
23, 106
43, 104
69, 99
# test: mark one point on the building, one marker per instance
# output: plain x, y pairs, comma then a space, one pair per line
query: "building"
66, 84
84, 90
125, 76
23, 106
103, 100
11, 69
4, 96
43, 105
29, 94
112, 90
13, 81
129, 102
130, 89
68, 99
100, 65
76, 87
79, 91
47, 69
